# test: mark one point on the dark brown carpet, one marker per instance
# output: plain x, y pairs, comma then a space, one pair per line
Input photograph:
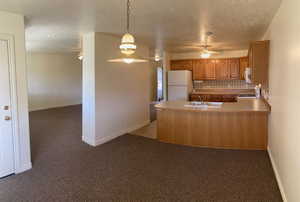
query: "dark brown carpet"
132, 168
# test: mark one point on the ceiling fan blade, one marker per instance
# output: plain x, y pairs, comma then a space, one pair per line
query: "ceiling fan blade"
212, 52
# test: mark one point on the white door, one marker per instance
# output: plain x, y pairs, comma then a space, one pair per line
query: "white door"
6, 133
178, 93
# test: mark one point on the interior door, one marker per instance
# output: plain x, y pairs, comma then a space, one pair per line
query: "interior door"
6, 133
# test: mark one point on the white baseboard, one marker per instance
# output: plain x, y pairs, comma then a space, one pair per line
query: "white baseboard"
108, 138
277, 176
89, 141
23, 168
52, 107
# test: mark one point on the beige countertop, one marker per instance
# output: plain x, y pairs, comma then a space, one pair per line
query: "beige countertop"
242, 105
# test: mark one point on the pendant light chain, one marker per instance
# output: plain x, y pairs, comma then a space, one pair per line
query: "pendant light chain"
128, 15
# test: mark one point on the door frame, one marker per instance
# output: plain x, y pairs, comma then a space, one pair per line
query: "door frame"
13, 98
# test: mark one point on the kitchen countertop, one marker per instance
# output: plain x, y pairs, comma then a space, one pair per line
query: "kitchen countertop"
242, 105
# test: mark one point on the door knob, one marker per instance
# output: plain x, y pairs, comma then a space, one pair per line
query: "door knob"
7, 118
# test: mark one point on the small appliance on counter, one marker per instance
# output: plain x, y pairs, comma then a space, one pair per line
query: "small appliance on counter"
180, 85
247, 75
258, 91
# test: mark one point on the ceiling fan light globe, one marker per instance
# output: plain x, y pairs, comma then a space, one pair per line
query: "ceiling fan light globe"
205, 55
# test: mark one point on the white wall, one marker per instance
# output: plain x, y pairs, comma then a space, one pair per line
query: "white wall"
88, 89
284, 131
197, 55
13, 25
54, 80
122, 91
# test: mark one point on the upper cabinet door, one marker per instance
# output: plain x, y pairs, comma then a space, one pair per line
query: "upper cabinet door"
259, 62
234, 65
222, 69
210, 69
199, 70
181, 65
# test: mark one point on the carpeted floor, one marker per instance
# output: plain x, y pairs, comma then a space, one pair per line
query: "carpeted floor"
132, 168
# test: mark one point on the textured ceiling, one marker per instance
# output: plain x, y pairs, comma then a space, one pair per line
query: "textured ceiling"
173, 25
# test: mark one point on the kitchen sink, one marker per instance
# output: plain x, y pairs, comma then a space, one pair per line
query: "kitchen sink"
204, 104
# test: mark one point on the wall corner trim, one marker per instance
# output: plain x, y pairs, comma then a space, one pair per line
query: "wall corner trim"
24, 168
102, 140
279, 182
88, 141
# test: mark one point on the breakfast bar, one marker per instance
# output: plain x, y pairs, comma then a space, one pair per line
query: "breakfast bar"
238, 125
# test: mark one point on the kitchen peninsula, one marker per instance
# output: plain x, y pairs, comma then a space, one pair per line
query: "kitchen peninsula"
235, 125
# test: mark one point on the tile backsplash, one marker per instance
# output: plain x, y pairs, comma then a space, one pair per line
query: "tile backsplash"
237, 84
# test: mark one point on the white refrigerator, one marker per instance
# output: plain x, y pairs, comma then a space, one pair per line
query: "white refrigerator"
180, 85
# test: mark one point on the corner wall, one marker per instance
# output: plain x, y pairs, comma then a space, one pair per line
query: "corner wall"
284, 132
54, 80
122, 92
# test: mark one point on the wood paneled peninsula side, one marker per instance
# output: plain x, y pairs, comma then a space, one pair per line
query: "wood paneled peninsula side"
239, 125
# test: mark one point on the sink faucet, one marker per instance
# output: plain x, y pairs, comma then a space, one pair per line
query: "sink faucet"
200, 100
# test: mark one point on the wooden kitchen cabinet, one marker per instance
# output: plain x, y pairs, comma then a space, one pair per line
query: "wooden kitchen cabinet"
244, 62
259, 62
234, 66
222, 69
182, 65
243, 125
204, 70
199, 70
213, 69
210, 70
198, 98
227, 69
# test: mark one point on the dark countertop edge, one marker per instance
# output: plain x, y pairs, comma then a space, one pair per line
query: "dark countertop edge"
223, 91
225, 88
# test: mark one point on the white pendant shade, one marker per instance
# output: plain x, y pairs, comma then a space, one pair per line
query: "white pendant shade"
128, 38
127, 44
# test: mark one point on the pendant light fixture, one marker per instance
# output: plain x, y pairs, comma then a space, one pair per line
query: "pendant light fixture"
128, 46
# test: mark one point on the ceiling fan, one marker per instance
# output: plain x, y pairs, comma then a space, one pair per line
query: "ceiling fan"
206, 53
